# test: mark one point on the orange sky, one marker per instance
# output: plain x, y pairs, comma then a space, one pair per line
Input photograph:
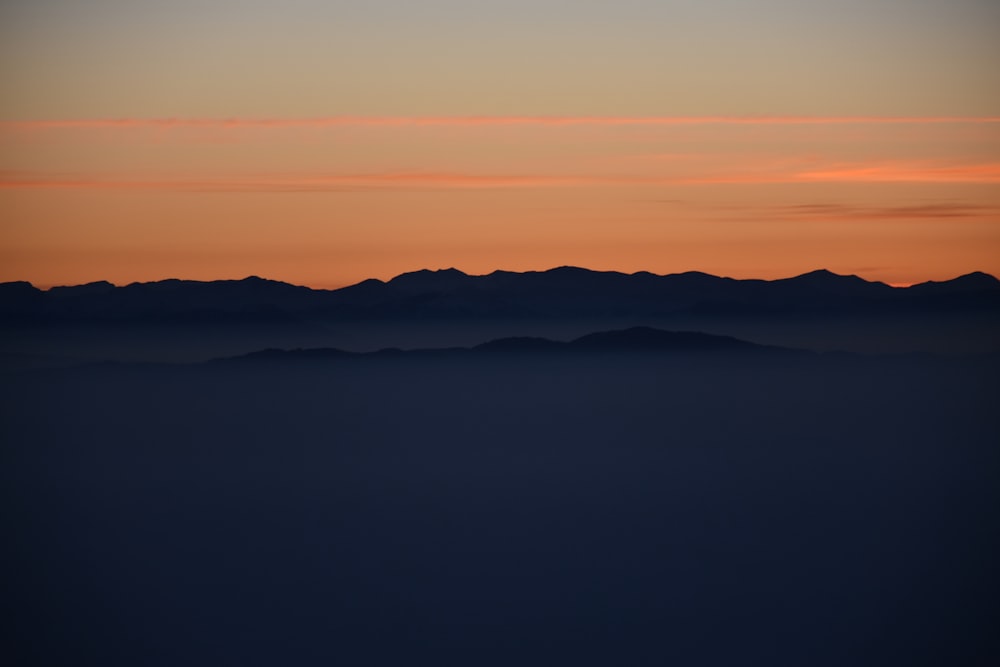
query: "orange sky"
324, 143
328, 202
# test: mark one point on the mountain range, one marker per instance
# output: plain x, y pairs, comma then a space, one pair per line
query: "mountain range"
451, 294
643, 340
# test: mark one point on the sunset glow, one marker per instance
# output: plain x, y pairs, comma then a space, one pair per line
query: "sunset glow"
360, 150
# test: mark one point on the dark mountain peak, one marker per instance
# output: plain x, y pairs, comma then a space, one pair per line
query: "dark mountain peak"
694, 279
570, 270
96, 287
692, 274
361, 294
18, 286
250, 284
826, 284
371, 282
969, 282
826, 276
580, 272
256, 283
166, 282
430, 280
978, 280
821, 276
576, 277
365, 286
450, 272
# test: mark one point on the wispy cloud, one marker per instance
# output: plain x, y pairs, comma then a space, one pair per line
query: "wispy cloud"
906, 172
856, 173
936, 211
880, 172
322, 183
467, 121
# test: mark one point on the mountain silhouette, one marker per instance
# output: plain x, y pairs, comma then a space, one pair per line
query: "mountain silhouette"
449, 293
634, 339
193, 321
970, 282
648, 338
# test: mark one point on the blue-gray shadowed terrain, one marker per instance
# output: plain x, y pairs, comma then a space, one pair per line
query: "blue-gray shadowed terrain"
633, 496
175, 320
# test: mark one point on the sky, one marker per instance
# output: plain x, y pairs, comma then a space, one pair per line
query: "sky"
326, 142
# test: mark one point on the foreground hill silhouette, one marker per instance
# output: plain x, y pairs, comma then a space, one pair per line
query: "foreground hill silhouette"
176, 320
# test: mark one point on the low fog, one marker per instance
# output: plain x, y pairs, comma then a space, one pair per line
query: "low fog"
518, 508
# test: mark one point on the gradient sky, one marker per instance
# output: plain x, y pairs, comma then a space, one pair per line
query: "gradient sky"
327, 142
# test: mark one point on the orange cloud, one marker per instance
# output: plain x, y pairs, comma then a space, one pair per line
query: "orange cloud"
880, 173
922, 172
783, 171
945, 210
906, 173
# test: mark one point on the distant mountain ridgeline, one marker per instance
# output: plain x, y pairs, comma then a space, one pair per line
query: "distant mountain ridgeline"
450, 294
644, 340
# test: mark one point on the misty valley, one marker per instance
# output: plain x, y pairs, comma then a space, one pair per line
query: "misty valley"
571, 483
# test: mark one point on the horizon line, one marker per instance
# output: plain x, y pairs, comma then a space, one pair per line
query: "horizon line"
898, 285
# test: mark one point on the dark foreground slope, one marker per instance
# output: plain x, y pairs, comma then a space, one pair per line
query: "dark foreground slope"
504, 509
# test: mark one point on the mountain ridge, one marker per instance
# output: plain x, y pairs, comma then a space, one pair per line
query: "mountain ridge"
981, 277
564, 291
644, 340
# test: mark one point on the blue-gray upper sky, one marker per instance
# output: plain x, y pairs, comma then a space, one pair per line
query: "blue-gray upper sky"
101, 58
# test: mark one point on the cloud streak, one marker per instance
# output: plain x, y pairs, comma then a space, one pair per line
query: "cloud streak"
324, 183
892, 172
936, 211
881, 173
907, 173
485, 121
